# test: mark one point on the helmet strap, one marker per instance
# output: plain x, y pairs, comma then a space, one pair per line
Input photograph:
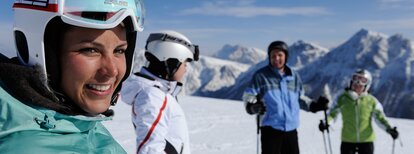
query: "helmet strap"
172, 66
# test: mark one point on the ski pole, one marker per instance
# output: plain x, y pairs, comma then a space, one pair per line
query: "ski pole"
324, 140
258, 134
327, 131
401, 143
393, 146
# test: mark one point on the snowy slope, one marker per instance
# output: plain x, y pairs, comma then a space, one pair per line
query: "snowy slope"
222, 127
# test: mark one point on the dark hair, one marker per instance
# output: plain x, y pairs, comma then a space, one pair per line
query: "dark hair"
53, 40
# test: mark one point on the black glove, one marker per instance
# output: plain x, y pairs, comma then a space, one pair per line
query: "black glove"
256, 108
323, 126
320, 105
393, 132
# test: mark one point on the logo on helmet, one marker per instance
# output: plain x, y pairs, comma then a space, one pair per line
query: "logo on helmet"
42, 3
116, 2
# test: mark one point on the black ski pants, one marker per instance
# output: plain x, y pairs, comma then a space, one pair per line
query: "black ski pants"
279, 142
353, 148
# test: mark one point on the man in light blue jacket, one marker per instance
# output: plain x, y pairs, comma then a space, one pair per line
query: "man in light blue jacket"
276, 92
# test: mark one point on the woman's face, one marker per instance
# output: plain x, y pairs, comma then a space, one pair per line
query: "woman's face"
93, 64
358, 88
178, 76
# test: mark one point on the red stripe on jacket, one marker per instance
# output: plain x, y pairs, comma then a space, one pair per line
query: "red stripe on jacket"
153, 124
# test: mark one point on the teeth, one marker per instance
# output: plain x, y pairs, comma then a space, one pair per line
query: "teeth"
99, 87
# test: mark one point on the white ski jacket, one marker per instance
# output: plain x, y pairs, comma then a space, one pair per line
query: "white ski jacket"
159, 120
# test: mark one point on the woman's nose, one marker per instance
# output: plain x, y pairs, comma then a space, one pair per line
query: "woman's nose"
108, 67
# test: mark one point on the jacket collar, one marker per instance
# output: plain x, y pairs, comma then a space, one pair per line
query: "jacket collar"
288, 72
171, 87
354, 96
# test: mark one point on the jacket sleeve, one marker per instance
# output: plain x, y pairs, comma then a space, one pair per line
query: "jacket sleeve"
379, 116
334, 111
304, 101
252, 90
150, 121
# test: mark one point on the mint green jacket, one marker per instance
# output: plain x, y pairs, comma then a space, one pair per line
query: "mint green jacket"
27, 129
357, 115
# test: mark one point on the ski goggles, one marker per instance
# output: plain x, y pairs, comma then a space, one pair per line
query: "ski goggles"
165, 37
361, 80
102, 14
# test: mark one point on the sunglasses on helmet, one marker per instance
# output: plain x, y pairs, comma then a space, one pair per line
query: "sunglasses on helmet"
165, 37
359, 80
99, 14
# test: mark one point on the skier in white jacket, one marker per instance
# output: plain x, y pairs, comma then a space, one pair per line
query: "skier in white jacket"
159, 120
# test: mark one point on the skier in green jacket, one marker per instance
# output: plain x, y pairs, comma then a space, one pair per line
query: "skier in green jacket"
72, 57
358, 109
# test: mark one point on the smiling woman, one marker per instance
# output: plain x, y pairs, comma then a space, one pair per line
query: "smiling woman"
96, 60
68, 72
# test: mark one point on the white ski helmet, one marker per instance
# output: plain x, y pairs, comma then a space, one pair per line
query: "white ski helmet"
166, 50
362, 77
33, 19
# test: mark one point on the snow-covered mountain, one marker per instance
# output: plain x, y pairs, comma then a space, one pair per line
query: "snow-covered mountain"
213, 74
207, 75
302, 52
389, 59
241, 54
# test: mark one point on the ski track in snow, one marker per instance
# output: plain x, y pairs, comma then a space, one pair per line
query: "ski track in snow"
218, 126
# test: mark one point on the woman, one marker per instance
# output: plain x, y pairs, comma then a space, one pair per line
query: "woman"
159, 120
359, 108
73, 56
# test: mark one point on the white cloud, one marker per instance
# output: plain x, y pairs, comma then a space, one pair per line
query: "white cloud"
246, 10
230, 2
397, 4
406, 23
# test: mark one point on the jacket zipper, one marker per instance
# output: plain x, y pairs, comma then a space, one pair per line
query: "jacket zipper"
357, 120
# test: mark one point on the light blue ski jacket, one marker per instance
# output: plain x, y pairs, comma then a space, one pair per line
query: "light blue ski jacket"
282, 95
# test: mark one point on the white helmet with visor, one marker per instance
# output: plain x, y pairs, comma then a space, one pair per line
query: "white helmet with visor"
33, 17
362, 77
167, 50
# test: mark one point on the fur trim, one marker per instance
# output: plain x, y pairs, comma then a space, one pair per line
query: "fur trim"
29, 86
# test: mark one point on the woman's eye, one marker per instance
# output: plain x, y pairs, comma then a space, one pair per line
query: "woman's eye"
120, 51
88, 50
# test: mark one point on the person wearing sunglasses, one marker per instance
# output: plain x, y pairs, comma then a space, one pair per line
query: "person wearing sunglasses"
276, 93
358, 109
72, 57
158, 119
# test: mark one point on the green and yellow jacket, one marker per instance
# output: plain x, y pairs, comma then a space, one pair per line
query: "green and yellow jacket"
357, 115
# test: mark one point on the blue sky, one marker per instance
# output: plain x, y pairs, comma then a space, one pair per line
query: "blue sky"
256, 23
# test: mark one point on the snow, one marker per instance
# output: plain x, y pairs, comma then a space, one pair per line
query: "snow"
219, 126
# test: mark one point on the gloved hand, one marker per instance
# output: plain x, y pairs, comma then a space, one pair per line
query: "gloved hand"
323, 126
320, 105
393, 132
255, 108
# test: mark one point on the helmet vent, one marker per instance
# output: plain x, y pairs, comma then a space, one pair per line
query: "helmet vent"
21, 45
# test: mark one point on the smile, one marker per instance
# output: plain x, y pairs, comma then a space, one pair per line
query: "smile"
98, 87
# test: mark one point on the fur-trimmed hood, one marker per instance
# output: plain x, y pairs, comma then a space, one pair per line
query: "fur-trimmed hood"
28, 85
